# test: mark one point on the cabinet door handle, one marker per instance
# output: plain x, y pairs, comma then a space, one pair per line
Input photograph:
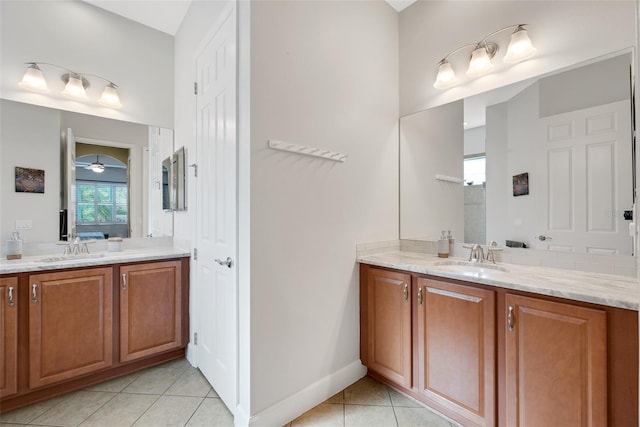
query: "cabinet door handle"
11, 303
420, 295
124, 281
34, 293
510, 318
405, 292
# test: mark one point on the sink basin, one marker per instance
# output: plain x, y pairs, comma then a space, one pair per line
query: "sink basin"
70, 257
470, 268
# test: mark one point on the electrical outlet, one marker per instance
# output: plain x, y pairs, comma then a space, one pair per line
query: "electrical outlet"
24, 224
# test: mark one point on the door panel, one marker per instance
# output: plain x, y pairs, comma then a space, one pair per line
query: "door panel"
70, 324
216, 207
150, 309
389, 325
456, 328
8, 336
556, 361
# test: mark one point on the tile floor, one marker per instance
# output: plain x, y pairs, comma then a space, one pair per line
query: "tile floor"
175, 394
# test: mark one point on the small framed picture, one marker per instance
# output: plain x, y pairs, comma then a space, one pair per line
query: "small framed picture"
521, 184
29, 180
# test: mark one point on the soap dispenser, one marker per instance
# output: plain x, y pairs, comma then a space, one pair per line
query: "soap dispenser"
14, 246
443, 246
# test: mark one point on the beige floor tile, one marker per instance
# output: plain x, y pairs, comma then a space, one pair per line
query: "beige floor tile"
367, 391
369, 416
115, 385
170, 411
336, 398
29, 413
399, 399
74, 408
11, 425
211, 413
154, 380
191, 383
411, 417
323, 415
176, 364
121, 411
212, 393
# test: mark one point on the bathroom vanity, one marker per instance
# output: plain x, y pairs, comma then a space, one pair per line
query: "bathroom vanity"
73, 322
502, 345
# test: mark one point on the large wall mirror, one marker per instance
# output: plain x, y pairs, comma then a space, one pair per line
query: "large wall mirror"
546, 163
103, 177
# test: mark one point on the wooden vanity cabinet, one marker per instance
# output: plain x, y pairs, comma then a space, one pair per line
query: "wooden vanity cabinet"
487, 356
8, 336
150, 309
456, 354
388, 319
76, 327
556, 364
70, 324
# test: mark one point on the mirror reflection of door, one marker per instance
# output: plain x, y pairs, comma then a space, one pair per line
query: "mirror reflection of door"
102, 192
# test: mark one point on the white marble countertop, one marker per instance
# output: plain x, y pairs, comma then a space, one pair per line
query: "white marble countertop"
56, 262
604, 289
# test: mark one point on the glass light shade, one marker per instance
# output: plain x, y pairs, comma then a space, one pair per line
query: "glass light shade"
520, 47
109, 97
33, 79
446, 76
97, 167
74, 88
480, 62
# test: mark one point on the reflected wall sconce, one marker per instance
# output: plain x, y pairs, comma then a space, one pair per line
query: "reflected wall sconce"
75, 84
519, 49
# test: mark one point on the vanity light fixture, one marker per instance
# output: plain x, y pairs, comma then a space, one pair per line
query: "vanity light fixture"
519, 49
75, 84
96, 166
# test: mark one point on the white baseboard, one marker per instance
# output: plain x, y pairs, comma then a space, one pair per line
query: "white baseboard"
299, 403
241, 417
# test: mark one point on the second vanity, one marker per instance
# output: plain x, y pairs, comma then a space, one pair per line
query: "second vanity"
502, 345
69, 322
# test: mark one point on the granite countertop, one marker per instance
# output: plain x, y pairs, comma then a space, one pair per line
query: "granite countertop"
604, 289
57, 262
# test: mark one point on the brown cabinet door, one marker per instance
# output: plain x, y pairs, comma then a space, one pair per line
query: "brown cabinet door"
389, 325
70, 324
150, 309
456, 336
555, 364
8, 336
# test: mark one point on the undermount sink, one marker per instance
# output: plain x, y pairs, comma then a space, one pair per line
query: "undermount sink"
470, 268
69, 257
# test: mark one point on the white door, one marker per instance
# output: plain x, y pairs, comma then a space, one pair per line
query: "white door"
70, 182
216, 212
586, 167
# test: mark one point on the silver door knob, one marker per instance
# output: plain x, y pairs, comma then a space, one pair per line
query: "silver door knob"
543, 238
228, 262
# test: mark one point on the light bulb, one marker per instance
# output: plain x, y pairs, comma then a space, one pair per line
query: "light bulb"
520, 47
74, 88
480, 62
33, 79
446, 76
109, 97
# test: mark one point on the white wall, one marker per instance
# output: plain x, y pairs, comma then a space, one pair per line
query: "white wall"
564, 32
432, 143
323, 74
87, 39
38, 147
474, 141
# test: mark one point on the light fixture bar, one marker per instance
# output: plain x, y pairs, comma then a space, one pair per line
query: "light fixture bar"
519, 49
75, 84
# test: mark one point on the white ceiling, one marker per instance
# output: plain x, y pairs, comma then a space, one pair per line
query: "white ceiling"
163, 15
167, 15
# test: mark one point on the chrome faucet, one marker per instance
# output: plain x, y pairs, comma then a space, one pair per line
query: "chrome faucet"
76, 247
476, 254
